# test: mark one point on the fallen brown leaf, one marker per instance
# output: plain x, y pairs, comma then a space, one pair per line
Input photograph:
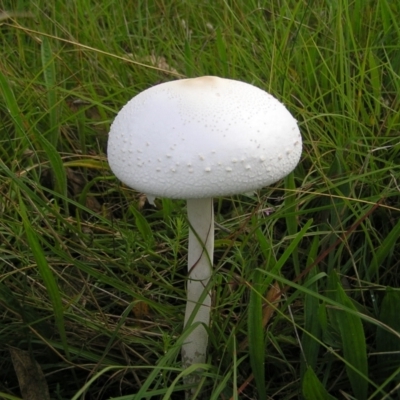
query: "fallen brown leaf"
32, 382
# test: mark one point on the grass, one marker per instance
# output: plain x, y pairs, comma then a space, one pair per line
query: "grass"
92, 277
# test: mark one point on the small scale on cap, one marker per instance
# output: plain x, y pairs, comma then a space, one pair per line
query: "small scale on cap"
203, 137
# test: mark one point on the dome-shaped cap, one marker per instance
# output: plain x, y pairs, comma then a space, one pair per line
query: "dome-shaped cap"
203, 137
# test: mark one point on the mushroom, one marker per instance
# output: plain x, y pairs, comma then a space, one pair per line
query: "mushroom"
196, 139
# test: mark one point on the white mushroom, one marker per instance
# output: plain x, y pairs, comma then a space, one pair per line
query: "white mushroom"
196, 139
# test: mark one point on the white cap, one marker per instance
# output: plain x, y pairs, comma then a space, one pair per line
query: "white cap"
203, 137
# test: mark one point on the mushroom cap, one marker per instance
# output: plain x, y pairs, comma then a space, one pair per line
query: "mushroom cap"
203, 137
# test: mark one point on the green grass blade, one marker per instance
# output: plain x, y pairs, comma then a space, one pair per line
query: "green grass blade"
313, 389
384, 250
190, 370
27, 313
289, 250
49, 72
376, 82
14, 111
46, 274
221, 47
256, 334
354, 345
57, 167
311, 325
386, 342
189, 62
291, 218
265, 246
339, 209
7, 396
142, 226
255, 328
171, 354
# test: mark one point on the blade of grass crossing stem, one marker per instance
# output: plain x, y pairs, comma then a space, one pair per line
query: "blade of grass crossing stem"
217, 393
15, 113
313, 389
49, 72
256, 334
163, 363
188, 371
312, 328
45, 273
354, 345
291, 220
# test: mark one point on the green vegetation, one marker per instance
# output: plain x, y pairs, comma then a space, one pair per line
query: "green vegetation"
92, 277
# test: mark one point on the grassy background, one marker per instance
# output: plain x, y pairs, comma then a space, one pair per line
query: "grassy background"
92, 277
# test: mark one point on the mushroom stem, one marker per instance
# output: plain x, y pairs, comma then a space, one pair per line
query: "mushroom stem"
200, 260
